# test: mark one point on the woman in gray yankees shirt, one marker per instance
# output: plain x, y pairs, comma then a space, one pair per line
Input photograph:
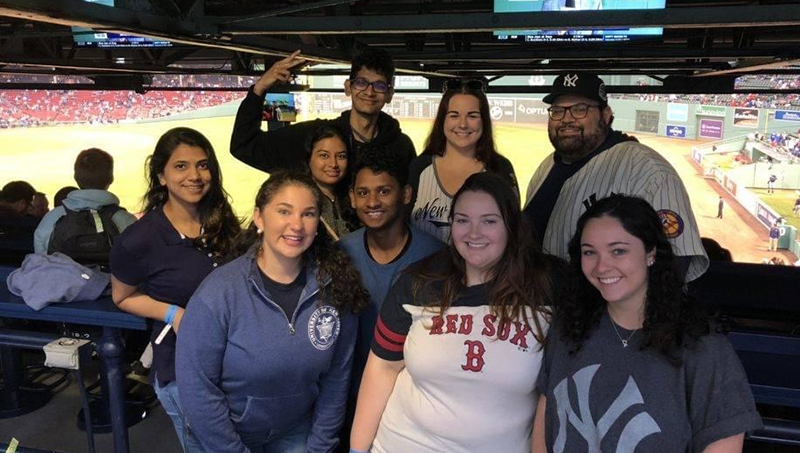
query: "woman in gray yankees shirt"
631, 364
460, 144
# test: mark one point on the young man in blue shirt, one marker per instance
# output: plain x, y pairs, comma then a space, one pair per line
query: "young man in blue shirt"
385, 246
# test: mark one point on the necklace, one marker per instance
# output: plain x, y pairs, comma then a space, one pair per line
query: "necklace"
623, 340
362, 138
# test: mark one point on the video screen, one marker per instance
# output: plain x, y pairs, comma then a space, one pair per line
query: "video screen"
86, 37
574, 35
279, 107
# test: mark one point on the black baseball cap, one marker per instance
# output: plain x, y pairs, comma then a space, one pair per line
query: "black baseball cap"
578, 83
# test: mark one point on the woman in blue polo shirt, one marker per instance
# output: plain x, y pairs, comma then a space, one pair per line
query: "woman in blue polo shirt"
266, 346
187, 230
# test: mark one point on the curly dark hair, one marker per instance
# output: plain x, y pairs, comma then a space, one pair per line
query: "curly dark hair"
380, 160
673, 319
521, 279
375, 59
345, 289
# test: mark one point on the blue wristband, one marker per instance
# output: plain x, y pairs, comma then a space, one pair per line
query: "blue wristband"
170, 317
353, 450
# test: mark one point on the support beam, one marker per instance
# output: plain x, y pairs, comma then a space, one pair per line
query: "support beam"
786, 64
697, 17
287, 10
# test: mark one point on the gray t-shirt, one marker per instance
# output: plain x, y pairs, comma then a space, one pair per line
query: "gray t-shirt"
611, 398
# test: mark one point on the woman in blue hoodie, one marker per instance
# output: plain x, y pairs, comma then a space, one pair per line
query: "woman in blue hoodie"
265, 349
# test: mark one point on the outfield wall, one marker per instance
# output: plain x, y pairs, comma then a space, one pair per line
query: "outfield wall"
675, 120
735, 183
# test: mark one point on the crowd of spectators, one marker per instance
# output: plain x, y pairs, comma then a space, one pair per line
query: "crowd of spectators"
750, 100
785, 143
26, 108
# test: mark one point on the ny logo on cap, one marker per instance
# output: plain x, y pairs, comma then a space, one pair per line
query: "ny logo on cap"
570, 80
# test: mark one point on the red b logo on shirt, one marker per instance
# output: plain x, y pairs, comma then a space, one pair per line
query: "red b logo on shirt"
475, 350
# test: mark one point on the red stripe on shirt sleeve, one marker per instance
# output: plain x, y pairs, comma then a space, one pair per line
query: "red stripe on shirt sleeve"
391, 336
387, 339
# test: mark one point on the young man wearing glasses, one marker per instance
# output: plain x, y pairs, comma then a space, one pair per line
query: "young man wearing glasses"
591, 161
365, 125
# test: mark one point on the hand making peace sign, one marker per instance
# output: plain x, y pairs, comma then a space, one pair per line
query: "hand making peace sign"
278, 72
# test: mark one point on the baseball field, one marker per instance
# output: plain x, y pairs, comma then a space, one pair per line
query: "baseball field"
44, 157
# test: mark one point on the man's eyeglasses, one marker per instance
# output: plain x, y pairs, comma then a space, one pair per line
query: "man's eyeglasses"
470, 84
577, 111
362, 84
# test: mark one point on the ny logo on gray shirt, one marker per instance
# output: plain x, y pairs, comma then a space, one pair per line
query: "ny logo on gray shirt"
639, 427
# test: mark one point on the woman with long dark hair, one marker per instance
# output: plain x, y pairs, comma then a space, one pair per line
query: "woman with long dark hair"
631, 363
460, 144
187, 230
458, 341
266, 346
328, 161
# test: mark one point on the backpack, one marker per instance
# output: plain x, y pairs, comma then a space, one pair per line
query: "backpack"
85, 236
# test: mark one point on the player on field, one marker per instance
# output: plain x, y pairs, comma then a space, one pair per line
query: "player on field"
592, 161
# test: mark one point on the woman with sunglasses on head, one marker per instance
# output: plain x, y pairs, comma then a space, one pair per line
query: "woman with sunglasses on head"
265, 349
328, 162
460, 144
631, 363
188, 229
458, 340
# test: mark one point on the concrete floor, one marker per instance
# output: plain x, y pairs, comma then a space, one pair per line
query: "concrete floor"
54, 426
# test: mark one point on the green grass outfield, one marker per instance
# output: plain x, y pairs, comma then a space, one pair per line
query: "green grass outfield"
781, 201
45, 156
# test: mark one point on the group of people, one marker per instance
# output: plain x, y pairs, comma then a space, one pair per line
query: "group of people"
22, 207
386, 302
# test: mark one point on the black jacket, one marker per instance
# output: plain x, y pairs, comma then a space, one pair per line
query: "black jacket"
284, 148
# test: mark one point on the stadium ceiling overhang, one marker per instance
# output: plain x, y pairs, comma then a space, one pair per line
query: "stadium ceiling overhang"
705, 44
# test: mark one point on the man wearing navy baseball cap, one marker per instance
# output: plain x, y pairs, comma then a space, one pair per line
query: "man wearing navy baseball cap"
591, 161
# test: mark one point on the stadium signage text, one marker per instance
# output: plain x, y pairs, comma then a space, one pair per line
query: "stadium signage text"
709, 110
676, 131
711, 128
787, 115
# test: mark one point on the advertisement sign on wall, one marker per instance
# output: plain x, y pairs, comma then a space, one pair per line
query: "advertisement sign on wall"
711, 129
531, 111
709, 110
787, 115
745, 117
501, 109
765, 216
677, 112
676, 131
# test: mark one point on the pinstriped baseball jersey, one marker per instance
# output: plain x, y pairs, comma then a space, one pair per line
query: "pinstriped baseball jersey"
629, 168
432, 205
